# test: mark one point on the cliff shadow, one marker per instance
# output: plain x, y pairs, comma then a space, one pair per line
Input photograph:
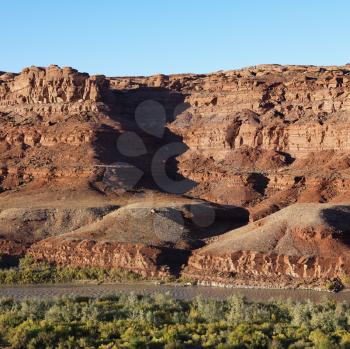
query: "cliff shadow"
338, 218
142, 155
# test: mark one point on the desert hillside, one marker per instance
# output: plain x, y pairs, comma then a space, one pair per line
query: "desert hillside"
309, 242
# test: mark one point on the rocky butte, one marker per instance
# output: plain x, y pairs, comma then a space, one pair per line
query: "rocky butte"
238, 176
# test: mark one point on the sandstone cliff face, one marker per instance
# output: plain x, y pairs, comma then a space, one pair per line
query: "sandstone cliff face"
257, 136
278, 123
148, 238
265, 268
50, 90
50, 120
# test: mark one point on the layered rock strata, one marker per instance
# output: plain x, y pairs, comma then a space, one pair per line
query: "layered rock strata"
147, 261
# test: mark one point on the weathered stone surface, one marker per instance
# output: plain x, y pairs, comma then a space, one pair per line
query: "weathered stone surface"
50, 89
265, 269
12, 248
147, 261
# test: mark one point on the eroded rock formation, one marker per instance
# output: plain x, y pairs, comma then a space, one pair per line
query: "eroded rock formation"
145, 260
307, 242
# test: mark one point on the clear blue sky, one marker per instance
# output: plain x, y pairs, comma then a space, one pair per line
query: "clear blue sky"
143, 37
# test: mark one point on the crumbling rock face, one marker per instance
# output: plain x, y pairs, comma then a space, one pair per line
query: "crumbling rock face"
12, 248
183, 225
281, 122
144, 260
266, 268
278, 121
50, 120
148, 238
49, 90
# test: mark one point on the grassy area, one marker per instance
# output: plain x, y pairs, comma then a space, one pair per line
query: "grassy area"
159, 321
29, 271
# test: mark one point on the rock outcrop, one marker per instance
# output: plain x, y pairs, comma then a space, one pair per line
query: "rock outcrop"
257, 136
148, 261
145, 237
307, 242
51, 90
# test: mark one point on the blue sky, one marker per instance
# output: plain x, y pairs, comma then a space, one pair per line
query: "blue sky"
143, 37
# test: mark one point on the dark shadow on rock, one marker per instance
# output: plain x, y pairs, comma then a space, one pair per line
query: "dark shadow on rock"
124, 106
203, 220
258, 182
338, 217
175, 259
209, 219
288, 159
9, 261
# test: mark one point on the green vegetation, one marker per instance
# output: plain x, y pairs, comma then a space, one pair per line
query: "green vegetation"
159, 321
334, 285
29, 271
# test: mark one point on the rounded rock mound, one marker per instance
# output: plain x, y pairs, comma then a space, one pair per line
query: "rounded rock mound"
146, 238
309, 242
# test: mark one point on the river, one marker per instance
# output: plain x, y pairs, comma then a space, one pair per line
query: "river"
177, 291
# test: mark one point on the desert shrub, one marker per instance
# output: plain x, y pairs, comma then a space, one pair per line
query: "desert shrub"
334, 285
208, 310
30, 271
321, 340
345, 279
131, 321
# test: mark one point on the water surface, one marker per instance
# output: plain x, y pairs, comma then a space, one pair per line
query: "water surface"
177, 291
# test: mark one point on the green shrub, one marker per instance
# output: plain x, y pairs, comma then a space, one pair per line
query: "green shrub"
334, 285
131, 321
30, 271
